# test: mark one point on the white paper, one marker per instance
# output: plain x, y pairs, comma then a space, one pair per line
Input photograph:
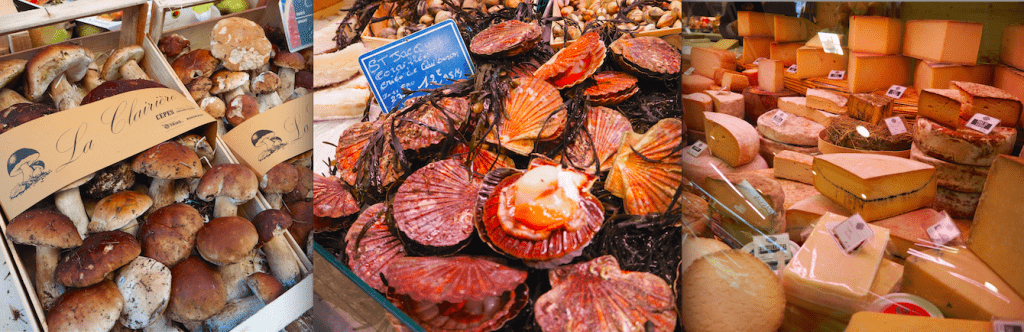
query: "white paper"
697, 148
943, 231
837, 74
779, 118
982, 123
896, 125
792, 69
830, 42
896, 91
852, 232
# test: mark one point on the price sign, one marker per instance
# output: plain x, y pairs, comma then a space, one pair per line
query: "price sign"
757, 61
792, 69
836, 74
697, 148
689, 71
830, 42
774, 250
896, 91
297, 17
896, 125
943, 231
982, 123
779, 118
851, 233
1007, 326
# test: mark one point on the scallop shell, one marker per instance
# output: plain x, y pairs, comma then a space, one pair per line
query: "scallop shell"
483, 159
646, 184
428, 125
378, 248
647, 56
598, 296
507, 38
606, 127
331, 199
534, 112
436, 205
352, 145
611, 88
575, 63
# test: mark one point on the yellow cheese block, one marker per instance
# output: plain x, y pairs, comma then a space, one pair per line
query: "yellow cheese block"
694, 106
708, 61
790, 29
940, 105
799, 106
867, 321
826, 101
823, 278
805, 213
1009, 79
870, 72
761, 208
793, 191
730, 103
756, 47
961, 285
907, 231
1011, 50
735, 81
999, 221
930, 75
876, 34
770, 75
720, 73
876, 186
815, 62
988, 100
696, 83
798, 319
730, 138
869, 108
754, 24
785, 52
890, 275
794, 166
725, 44
942, 41
815, 41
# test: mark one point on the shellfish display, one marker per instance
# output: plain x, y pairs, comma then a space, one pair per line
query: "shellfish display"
574, 64
507, 38
535, 113
647, 56
435, 206
611, 88
372, 245
647, 168
606, 127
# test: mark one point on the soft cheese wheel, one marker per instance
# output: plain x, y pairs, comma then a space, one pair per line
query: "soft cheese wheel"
755, 48
870, 72
763, 212
795, 130
826, 101
799, 106
755, 24
730, 103
694, 106
940, 105
815, 62
696, 247
784, 52
876, 34
697, 169
930, 75
961, 285
1011, 50
731, 291
730, 138
957, 204
988, 100
942, 41
999, 221
770, 148
963, 146
805, 213
876, 186
963, 178
867, 321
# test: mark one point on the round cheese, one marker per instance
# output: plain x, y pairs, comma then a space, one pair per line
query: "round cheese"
696, 247
795, 130
695, 214
698, 168
963, 178
959, 205
770, 148
963, 146
730, 138
731, 291
760, 101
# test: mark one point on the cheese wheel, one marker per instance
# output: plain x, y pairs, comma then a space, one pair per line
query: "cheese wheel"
957, 204
792, 191
727, 102
963, 178
770, 148
963, 146
731, 138
760, 101
698, 168
696, 247
795, 130
695, 215
749, 299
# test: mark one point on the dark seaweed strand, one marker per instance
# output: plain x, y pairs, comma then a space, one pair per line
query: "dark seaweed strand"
363, 10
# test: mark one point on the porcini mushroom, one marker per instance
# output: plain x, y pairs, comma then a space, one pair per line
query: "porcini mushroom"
55, 66
69, 202
302, 223
22, 113
165, 163
169, 233
264, 287
229, 83
172, 46
303, 188
233, 313
197, 144
234, 274
289, 63
162, 324
145, 285
94, 308
10, 70
230, 185
119, 212
284, 265
124, 62
10, 97
197, 291
100, 254
109, 180
92, 78
241, 108
240, 43
213, 106
199, 88
226, 240
280, 179
194, 64
49, 231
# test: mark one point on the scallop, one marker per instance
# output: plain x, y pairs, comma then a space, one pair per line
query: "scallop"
611, 88
331, 199
647, 56
371, 246
647, 168
507, 38
606, 127
598, 296
353, 144
483, 159
575, 63
435, 207
428, 125
534, 111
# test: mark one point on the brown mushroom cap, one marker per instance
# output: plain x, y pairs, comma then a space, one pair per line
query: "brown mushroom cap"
19, 114
111, 179
213, 106
171, 46
168, 160
195, 64
113, 88
304, 79
117, 210
224, 81
265, 82
271, 223
302, 221
240, 43
265, 286
241, 108
290, 60
226, 240
228, 180
100, 253
10, 70
199, 88
197, 144
197, 291
44, 228
94, 308
303, 187
50, 63
280, 179
169, 233
119, 58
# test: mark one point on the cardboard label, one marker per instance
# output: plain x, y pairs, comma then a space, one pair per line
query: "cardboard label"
273, 136
982, 123
896, 91
896, 125
697, 148
1007, 326
852, 232
774, 250
779, 118
297, 18
943, 231
435, 55
830, 42
51, 152
836, 74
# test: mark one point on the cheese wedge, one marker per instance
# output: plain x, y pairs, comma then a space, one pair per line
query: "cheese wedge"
794, 191
725, 44
756, 47
999, 222
798, 106
761, 207
699, 168
770, 148
798, 319
941, 106
751, 75
908, 231
963, 146
731, 138
806, 212
730, 103
794, 130
770, 75
988, 100
815, 41
720, 73
930, 75
694, 106
869, 108
1009, 79
696, 83
876, 186
942, 41
755, 24
735, 81
865, 72
963, 178
708, 60
1011, 50
958, 204
785, 52
961, 285
876, 34
826, 101
867, 321
815, 62
794, 166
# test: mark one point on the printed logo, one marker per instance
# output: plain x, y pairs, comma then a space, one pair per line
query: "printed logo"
26, 164
268, 142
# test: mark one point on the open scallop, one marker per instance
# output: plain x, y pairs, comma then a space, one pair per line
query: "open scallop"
507, 38
428, 125
482, 159
611, 88
575, 63
533, 111
434, 208
371, 246
647, 169
353, 144
606, 127
647, 56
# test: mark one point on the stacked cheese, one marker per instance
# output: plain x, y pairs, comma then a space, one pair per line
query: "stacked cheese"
875, 62
948, 51
773, 36
733, 145
695, 104
793, 133
961, 156
1009, 75
713, 69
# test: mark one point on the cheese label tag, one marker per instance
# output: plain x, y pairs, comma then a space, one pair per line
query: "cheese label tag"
689, 71
852, 233
943, 231
830, 42
982, 123
896, 91
896, 125
1007, 326
758, 60
774, 250
836, 74
697, 148
792, 69
687, 49
779, 118
750, 193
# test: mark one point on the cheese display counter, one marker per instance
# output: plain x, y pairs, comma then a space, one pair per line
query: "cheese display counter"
860, 164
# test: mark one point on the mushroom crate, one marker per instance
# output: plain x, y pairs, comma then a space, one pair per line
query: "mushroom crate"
124, 209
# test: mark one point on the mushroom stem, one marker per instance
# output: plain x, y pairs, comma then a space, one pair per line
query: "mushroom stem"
131, 71
268, 101
233, 314
161, 324
132, 227
283, 263
162, 192
234, 275
64, 95
69, 202
92, 78
224, 207
287, 87
10, 97
274, 200
47, 288
233, 93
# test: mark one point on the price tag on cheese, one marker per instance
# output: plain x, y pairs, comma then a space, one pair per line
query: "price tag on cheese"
754, 198
774, 250
982, 123
896, 125
758, 60
687, 49
851, 233
1007, 326
896, 91
779, 118
697, 148
943, 231
830, 42
689, 71
836, 74
792, 69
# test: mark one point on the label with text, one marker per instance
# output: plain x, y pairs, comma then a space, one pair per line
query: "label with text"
690, 71
791, 69
697, 148
273, 136
896, 91
982, 123
297, 19
943, 231
1007, 326
851, 233
837, 74
779, 118
896, 125
830, 43
774, 250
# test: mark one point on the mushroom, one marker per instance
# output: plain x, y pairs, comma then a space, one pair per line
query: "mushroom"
288, 63
197, 291
109, 180
145, 285
234, 274
304, 160
94, 308
264, 287
280, 179
92, 78
100, 254
199, 88
49, 231
165, 163
226, 240
10, 70
172, 46
302, 223
22, 113
229, 83
162, 324
113, 88
10, 97
119, 212
69, 202
267, 101
55, 66
232, 314
303, 188
195, 64
284, 265
124, 62
169, 233
240, 43
231, 185
265, 82
213, 106
241, 108
197, 144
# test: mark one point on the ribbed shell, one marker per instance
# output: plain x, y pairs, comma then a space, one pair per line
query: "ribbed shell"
530, 106
331, 199
350, 146
648, 186
436, 205
452, 279
611, 87
483, 160
428, 125
598, 296
378, 247
606, 127
507, 38
647, 56
575, 63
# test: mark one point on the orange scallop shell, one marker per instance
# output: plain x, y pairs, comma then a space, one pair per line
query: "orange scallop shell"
575, 63
378, 248
647, 186
428, 125
351, 145
611, 88
436, 205
606, 127
598, 296
331, 199
483, 159
534, 112
647, 56
507, 38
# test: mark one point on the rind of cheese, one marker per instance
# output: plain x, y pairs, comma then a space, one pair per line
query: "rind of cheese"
988, 100
785, 52
866, 70
876, 186
869, 108
725, 44
1009, 79
770, 148
793, 191
963, 178
867, 321
697, 169
760, 101
791, 29
958, 204
999, 221
696, 83
756, 47
796, 130
815, 62
726, 102
940, 105
876, 34
696, 247
908, 231
730, 138
798, 106
806, 212
337, 67
930, 75
755, 24
1011, 49
826, 101
961, 285
770, 75
708, 60
942, 41
694, 106
746, 294
794, 166
963, 146
802, 320
735, 81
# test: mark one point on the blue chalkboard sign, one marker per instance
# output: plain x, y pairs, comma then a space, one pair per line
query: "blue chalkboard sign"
435, 55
